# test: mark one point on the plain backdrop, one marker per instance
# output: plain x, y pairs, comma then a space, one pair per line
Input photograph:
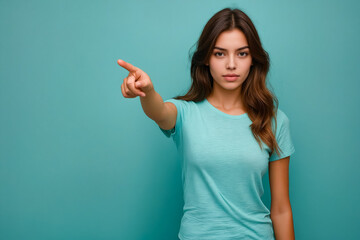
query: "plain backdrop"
80, 161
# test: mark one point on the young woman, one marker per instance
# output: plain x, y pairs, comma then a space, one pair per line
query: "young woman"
229, 131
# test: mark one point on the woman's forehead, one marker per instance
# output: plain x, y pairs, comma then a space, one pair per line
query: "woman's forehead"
231, 40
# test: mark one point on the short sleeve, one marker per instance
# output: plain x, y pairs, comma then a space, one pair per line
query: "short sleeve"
283, 137
175, 131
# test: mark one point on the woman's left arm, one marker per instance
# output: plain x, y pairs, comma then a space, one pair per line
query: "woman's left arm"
280, 211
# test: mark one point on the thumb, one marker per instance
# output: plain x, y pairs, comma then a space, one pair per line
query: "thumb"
142, 85
139, 84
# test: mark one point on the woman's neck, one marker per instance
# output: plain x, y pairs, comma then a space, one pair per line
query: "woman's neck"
226, 101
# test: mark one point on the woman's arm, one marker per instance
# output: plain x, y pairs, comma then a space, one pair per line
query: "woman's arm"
163, 113
153, 105
280, 211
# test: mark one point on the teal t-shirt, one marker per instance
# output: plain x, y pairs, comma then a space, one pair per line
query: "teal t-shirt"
222, 170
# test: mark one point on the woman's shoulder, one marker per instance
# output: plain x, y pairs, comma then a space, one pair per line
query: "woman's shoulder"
280, 114
281, 117
179, 103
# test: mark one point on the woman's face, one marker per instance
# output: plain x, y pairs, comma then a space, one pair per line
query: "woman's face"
230, 56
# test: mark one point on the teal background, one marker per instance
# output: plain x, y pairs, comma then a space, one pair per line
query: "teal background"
80, 161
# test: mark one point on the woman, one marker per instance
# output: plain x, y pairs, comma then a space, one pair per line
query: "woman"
229, 131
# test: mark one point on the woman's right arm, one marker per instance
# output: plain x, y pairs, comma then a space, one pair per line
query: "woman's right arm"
163, 113
138, 83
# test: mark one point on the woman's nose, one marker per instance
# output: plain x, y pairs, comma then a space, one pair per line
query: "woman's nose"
231, 63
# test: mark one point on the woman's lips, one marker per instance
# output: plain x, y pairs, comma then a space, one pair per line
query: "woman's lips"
231, 77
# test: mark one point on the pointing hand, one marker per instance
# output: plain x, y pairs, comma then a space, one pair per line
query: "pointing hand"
137, 83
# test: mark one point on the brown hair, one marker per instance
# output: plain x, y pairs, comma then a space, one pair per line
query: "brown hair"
260, 103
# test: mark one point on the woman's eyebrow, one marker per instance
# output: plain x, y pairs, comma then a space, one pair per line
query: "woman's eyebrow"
223, 49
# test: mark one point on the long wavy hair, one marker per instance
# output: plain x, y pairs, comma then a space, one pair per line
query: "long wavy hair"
259, 102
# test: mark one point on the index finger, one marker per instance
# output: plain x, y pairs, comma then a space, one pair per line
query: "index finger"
126, 65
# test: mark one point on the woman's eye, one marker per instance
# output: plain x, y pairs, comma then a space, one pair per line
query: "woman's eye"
220, 54
243, 54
